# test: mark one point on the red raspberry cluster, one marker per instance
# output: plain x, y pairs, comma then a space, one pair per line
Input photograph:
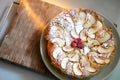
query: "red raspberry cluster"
77, 43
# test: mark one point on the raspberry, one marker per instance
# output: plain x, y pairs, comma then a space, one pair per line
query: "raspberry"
79, 45
73, 44
77, 40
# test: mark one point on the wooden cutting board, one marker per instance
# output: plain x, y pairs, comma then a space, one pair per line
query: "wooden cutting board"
21, 44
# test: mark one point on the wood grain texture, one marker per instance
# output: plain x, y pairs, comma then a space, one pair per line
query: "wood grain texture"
21, 44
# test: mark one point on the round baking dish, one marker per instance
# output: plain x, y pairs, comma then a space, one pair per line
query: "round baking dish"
103, 74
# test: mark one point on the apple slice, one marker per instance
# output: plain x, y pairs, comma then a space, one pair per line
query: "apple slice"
107, 61
90, 69
59, 41
64, 63
56, 52
106, 50
76, 69
80, 22
89, 34
90, 20
104, 38
78, 28
86, 50
69, 19
98, 60
95, 54
81, 16
98, 26
69, 67
75, 58
83, 35
73, 34
92, 43
68, 49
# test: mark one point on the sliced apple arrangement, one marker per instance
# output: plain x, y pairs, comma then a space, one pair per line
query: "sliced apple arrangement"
83, 45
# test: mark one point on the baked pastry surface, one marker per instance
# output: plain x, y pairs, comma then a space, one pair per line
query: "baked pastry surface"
79, 43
